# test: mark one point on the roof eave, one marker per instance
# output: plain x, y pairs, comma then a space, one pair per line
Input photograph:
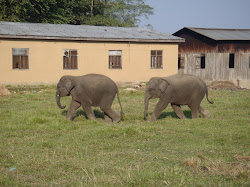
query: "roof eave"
194, 30
92, 39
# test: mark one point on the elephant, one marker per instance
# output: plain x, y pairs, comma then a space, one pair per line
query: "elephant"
179, 89
89, 90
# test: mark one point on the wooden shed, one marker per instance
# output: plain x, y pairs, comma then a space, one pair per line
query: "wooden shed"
215, 54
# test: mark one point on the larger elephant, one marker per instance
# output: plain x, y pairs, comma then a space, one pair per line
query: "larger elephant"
89, 90
178, 90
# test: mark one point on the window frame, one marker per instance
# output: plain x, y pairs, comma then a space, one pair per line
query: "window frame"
154, 63
70, 64
115, 59
23, 55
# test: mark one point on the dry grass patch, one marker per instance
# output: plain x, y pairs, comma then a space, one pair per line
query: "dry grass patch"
238, 169
4, 91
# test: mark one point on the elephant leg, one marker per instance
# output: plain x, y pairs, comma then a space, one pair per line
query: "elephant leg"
89, 112
111, 113
72, 109
205, 113
160, 106
107, 118
194, 111
177, 109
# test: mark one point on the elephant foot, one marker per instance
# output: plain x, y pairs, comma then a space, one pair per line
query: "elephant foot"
205, 113
152, 119
91, 118
69, 118
116, 120
183, 117
107, 119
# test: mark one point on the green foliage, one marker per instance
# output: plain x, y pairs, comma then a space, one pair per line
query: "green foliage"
92, 12
39, 147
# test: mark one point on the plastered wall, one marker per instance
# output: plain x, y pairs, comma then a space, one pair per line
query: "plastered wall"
46, 61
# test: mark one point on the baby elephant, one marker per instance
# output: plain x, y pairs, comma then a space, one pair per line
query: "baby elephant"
177, 90
89, 90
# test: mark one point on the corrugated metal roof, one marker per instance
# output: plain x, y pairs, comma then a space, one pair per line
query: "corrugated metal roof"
82, 32
223, 34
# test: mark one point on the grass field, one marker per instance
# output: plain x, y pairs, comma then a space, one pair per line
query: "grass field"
39, 147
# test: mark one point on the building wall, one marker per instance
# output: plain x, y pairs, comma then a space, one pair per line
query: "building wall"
46, 61
195, 43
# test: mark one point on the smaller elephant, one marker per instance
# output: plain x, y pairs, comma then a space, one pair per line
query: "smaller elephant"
178, 90
89, 90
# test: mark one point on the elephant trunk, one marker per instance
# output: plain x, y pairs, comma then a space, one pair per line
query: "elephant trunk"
58, 97
146, 102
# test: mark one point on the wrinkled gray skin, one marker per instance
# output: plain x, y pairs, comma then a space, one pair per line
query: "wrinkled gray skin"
177, 90
86, 91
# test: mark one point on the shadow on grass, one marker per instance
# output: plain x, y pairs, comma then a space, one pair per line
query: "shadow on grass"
187, 113
98, 114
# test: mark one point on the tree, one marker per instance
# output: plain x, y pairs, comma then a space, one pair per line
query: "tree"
92, 12
35, 11
126, 13
129, 12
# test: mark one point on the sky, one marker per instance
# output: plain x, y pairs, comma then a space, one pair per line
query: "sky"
172, 15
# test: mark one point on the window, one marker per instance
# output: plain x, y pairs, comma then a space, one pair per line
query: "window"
203, 59
200, 62
70, 59
180, 62
231, 60
20, 58
156, 59
249, 60
115, 59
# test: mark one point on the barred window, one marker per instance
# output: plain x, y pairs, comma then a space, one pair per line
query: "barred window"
156, 59
70, 59
115, 59
20, 58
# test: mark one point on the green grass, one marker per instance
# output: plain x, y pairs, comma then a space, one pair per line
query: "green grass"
39, 147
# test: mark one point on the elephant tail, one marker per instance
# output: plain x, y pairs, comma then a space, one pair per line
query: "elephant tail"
122, 113
211, 102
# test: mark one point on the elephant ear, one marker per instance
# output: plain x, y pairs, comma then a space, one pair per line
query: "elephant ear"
163, 85
69, 84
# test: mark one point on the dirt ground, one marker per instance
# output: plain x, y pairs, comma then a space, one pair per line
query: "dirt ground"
4, 91
220, 85
216, 85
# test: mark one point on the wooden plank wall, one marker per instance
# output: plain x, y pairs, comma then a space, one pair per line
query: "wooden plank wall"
217, 66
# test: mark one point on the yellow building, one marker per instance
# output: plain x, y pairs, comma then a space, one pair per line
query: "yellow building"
35, 53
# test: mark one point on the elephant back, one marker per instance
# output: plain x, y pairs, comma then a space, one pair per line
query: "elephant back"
184, 80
